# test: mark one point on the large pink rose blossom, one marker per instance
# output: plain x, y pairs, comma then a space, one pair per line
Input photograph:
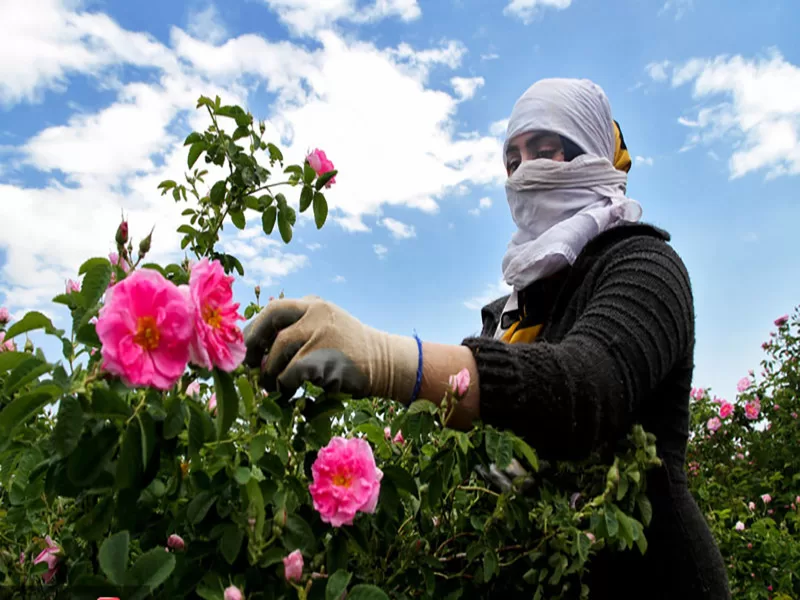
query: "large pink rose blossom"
145, 328
345, 481
781, 321
714, 423
751, 410
218, 341
321, 164
293, 566
50, 555
725, 409
459, 383
744, 384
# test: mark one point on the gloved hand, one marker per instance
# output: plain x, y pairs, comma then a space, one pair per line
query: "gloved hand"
504, 480
313, 340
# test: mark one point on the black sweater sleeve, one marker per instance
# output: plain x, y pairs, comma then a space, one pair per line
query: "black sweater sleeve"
568, 398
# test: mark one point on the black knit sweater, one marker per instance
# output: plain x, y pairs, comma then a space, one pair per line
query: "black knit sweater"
616, 349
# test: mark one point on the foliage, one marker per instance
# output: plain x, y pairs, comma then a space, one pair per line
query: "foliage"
747, 471
137, 492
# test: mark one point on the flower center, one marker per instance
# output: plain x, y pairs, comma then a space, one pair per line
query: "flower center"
147, 334
341, 480
212, 317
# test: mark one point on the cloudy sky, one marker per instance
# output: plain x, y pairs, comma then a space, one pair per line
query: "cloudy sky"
408, 98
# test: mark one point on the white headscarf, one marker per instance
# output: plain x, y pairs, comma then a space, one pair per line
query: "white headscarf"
559, 207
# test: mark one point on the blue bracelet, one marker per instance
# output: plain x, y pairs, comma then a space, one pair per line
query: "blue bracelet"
415, 393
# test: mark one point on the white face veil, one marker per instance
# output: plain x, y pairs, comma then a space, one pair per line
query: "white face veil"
558, 207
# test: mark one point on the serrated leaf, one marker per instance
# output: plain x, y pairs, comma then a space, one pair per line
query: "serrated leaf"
195, 150
645, 509
231, 543
113, 557
31, 321
227, 402
294, 170
274, 152
367, 592
69, 425
242, 475
106, 403
25, 372
306, 196
337, 584
10, 359
297, 534
192, 138
151, 569
308, 173
94, 285
612, 525
238, 219
320, 210
268, 219
25, 406
324, 179
401, 478
490, 564
525, 451
422, 406
199, 506
499, 448
92, 455
284, 227
173, 423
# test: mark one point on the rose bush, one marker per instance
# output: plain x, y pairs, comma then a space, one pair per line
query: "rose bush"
744, 470
147, 462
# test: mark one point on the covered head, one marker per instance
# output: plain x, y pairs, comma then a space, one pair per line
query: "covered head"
576, 110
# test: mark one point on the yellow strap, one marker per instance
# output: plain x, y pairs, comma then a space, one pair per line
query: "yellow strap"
622, 159
526, 335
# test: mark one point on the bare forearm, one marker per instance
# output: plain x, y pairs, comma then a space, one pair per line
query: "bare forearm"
440, 361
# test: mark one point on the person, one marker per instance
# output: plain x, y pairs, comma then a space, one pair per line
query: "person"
597, 334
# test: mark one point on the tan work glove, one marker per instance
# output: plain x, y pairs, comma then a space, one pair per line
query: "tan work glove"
313, 340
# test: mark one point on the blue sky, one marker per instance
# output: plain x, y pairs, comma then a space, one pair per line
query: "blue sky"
408, 99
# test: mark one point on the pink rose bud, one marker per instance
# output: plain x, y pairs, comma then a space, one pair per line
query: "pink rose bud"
293, 566
770, 511
122, 233
21, 558
766, 498
73, 286
591, 537
794, 415
387, 433
776, 407
751, 505
797, 500
212, 403
175, 542
769, 587
739, 526
5, 317
749, 546
398, 438
459, 383
233, 593
781, 321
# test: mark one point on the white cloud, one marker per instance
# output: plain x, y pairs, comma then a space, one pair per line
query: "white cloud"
490, 56
207, 24
314, 246
484, 203
339, 279
380, 250
643, 161
465, 87
751, 103
499, 128
658, 70
492, 292
526, 10
398, 229
305, 17
264, 259
679, 7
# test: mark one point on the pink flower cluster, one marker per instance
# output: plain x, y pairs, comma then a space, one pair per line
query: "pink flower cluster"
321, 164
694, 468
151, 329
345, 481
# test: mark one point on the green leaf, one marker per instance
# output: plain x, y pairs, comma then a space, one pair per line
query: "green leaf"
622, 487
284, 227
612, 525
217, 194
522, 448
106, 403
87, 335
625, 527
173, 423
306, 196
336, 553
148, 437
92, 455
238, 219
641, 542
297, 534
645, 509
367, 592
255, 508
268, 219
93, 525
25, 372
401, 479
113, 557
31, 321
69, 425
227, 402
435, 489
231, 543
294, 170
499, 448
308, 173
490, 565
274, 152
246, 393
324, 179
192, 138
152, 569
583, 544
10, 359
94, 285
320, 210
424, 406
240, 132
25, 406
242, 475
199, 506
195, 151
337, 584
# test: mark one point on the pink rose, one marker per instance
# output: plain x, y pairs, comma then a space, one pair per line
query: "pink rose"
781, 321
176, 542
233, 593
797, 499
459, 383
321, 164
698, 393
713, 424
5, 317
776, 407
6, 346
345, 481
218, 341
591, 537
212, 403
770, 511
766, 498
725, 409
22, 558
145, 328
794, 415
751, 505
50, 555
751, 410
740, 456
293, 566
72, 286
398, 438
120, 262
739, 526
744, 384
387, 432
193, 389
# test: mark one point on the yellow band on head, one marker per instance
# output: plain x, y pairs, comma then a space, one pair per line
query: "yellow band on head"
622, 160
